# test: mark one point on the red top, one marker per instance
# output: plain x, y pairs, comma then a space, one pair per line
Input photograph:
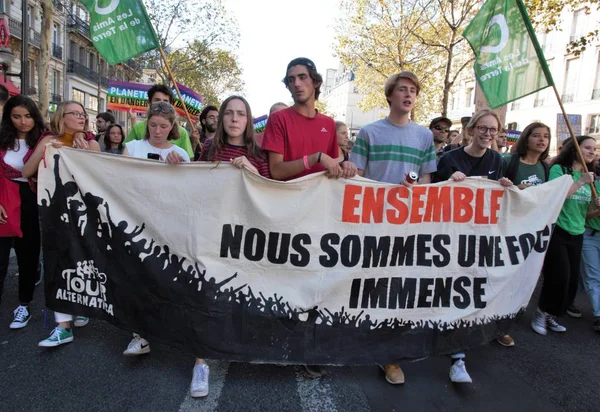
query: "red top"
231, 152
295, 136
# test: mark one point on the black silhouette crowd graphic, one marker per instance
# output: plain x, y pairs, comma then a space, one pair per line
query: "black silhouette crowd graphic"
169, 299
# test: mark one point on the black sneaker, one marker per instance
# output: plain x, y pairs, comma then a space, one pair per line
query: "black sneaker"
315, 371
573, 312
22, 317
597, 324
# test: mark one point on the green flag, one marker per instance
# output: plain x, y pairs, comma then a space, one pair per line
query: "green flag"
509, 63
120, 29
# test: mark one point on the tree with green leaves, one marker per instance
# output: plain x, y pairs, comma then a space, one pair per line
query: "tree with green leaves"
200, 39
377, 38
546, 16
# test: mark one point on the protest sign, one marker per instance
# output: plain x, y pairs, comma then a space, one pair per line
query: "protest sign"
127, 95
313, 271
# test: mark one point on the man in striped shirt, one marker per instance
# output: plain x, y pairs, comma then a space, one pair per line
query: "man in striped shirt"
388, 149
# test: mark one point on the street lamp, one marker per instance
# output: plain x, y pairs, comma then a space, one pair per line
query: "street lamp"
6, 59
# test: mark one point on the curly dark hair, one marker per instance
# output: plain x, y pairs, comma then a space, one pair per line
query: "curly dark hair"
568, 154
9, 135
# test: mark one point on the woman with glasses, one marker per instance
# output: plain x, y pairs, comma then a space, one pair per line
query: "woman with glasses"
69, 127
474, 160
21, 129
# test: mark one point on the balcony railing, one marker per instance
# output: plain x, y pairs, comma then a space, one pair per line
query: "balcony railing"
539, 102
82, 71
596, 94
567, 98
57, 51
16, 28
31, 91
76, 24
55, 98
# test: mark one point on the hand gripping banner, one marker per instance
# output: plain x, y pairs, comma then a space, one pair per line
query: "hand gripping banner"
228, 265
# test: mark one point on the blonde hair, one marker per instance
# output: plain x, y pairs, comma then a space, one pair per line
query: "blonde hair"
57, 125
477, 117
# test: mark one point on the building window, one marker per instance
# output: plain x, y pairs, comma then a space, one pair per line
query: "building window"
32, 75
56, 82
92, 103
72, 50
594, 124
55, 34
470, 97
578, 26
512, 126
92, 62
596, 91
30, 16
82, 56
548, 44
571, 77
79, 96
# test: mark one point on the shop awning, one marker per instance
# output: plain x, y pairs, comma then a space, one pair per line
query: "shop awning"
12, 89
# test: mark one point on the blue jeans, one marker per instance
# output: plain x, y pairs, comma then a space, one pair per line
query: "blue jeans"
590, 268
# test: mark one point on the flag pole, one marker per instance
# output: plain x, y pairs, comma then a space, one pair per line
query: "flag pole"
164, 58
574, 138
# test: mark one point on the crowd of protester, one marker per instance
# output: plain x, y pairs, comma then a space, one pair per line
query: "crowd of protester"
299, 141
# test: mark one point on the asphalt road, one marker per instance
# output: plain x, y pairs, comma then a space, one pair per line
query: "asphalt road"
558, 372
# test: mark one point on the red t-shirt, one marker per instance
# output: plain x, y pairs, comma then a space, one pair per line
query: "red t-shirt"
295, 136
231, 152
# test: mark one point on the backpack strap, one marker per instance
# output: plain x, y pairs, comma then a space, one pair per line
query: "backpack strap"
511, 171
546, 170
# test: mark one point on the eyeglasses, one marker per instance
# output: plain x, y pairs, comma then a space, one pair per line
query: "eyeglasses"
442, 129
484, 129
78, 115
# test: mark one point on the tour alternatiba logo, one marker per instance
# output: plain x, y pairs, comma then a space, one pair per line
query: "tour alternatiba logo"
85, 286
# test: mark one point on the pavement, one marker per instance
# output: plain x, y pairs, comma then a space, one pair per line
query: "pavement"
558, 372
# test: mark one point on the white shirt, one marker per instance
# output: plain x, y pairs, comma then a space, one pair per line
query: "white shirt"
14, 158
141, 148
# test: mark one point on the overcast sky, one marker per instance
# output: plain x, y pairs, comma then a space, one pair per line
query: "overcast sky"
273, 32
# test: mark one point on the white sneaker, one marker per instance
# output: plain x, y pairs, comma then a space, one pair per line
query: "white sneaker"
81, 321
199, 386
539, 321
137, 346
21, 318
458, 372
553, 325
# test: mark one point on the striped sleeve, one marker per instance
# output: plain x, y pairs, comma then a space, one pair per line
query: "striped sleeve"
360, 151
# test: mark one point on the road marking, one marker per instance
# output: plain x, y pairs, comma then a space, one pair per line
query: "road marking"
216, 381
315, 394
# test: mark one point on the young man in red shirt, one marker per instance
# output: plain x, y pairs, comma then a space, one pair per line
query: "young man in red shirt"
299, 139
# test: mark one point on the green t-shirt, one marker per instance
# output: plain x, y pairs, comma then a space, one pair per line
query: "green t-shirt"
572, 214
138, 131
527, 174
595, 222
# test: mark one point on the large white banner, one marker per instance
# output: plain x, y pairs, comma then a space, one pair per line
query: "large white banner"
231, 265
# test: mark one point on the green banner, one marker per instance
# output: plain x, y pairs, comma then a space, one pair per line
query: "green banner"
120, 29
509, 62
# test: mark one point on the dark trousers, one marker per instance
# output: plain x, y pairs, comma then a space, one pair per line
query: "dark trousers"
27, 248
561, 272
